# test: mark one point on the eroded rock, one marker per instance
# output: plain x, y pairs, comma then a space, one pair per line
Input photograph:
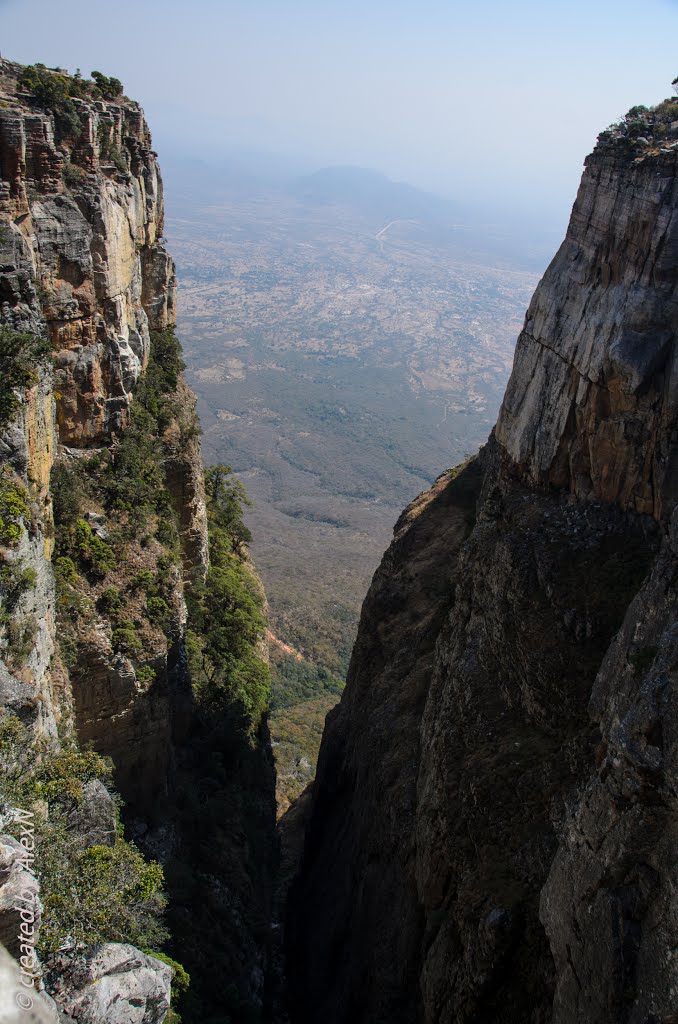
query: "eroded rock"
114, 984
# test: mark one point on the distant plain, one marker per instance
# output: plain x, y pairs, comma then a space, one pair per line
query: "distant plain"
348, 339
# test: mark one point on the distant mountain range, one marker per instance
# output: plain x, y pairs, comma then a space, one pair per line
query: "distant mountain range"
373, 193
368, 195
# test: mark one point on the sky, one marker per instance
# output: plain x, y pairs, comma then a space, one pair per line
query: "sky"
492, 103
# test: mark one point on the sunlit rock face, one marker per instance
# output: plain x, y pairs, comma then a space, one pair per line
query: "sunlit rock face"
592, 402
493, 828
84, 247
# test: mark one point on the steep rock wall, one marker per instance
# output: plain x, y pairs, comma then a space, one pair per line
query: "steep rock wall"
83, 263
107, 459
86, 219
491, 833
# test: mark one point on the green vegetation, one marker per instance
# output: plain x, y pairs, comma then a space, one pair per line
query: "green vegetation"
298, 681
52, 87
226, 497
650, 123
226, 620
110, 88
109, 149
73, 175
15, 581
21, 631
94, 554
14, 508
297, 731
93, 894
180, 979
21, 355
55, 90
117, 556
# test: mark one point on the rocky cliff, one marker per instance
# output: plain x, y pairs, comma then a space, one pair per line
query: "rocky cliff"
493, 827
120, 576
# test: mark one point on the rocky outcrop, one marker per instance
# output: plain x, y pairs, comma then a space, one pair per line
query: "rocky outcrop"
19, 1005
86, 218
115, 984
82, 261
592, 402
186, 483
19, 892
492, 830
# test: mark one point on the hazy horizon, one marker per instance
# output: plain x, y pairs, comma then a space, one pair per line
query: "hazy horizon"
493, 106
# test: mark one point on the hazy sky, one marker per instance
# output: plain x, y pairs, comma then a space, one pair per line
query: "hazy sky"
491, 101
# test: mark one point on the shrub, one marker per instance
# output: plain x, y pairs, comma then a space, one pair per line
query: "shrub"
110, 88
166, 532
180, 978
14, 509
74, 175
110, 894
125, 639
67, 489
21, 634
144, 580
111, 600
64, 774
96, 553
93, 895
226, 498
146, 675
65, 571
158, 611
53, 92
15, 581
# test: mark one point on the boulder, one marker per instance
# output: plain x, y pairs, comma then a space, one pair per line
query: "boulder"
18, 888
19, 1004
114, 984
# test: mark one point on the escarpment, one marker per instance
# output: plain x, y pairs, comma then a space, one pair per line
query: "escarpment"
492, 834
132, 656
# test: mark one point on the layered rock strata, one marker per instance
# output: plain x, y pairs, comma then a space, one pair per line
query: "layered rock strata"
492, 829
83, 263
101, 660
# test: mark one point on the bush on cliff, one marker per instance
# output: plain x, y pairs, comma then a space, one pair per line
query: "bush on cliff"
14, 508
53, 92
110, 88
226, 619
90, 894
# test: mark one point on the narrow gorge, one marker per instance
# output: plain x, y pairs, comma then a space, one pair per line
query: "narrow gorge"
492, 836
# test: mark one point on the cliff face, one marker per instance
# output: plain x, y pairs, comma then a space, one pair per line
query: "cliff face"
84, 251
83, 264
492, 834
104, 544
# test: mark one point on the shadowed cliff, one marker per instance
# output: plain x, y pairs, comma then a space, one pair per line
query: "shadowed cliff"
493, 824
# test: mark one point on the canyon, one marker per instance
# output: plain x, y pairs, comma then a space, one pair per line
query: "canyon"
491, 835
